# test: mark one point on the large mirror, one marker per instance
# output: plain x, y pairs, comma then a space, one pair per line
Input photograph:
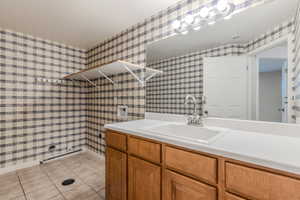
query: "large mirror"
236, 68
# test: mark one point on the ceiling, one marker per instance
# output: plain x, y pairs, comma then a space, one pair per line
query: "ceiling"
80, 23
247, 24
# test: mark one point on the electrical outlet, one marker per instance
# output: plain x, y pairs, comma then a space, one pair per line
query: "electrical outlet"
123, 112
51, 148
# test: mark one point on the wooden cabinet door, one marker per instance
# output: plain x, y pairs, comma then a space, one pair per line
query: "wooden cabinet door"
144, 180
232, 197
116, 177
178, 187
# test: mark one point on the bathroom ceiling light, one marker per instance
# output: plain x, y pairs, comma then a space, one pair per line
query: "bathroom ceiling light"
212, 14
228, 17
197, 20
211, 22
184, 32
222, 5
176, 24
197, 28
208, 15
204, 12
189, 19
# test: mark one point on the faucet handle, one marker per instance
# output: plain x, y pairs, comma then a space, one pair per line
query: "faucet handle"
190, 119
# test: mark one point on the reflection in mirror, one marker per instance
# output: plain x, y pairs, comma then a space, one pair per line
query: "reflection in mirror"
237, 68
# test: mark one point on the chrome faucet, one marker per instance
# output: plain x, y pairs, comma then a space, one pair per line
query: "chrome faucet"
194, 118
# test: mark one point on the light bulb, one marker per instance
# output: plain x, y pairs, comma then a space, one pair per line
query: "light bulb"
184, 25
197, 28
212, 13
176, 24
197, 20
211, 23
184, 32
228, 17
189, 19
222, 5
204, 12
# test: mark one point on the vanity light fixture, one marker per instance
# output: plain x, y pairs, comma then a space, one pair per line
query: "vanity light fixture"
208, 15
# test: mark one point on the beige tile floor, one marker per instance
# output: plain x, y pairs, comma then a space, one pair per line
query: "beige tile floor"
43, 182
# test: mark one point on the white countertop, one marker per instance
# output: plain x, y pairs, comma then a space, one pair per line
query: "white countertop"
273, 151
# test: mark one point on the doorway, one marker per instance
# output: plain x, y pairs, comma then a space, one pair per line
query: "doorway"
273, 83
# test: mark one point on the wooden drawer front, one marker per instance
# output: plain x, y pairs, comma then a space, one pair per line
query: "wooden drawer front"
258, 184
145, 149
178, 187
116, 140
193, 164
232, 197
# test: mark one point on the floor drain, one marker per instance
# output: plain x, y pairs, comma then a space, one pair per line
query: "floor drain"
68, 182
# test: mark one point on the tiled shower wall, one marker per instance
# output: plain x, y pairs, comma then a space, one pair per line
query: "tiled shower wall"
34, 113
130, 45
297, 64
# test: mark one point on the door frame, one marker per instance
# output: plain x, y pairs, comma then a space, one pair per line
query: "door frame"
255, 65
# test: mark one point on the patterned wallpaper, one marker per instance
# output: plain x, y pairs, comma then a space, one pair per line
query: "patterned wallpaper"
34, 114
297, 64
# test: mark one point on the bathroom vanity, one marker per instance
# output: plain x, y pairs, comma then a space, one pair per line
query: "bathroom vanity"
143, 165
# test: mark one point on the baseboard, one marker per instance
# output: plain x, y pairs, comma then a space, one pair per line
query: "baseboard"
19, 166
94, 153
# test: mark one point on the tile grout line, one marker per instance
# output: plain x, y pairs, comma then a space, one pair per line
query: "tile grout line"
54, 184
21, 186
84, 181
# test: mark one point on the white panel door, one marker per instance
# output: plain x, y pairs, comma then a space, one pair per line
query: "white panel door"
226, 87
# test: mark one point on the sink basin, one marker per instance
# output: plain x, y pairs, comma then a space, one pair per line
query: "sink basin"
188, 133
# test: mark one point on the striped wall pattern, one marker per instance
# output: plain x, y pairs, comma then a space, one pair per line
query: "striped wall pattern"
297, 64
130, 45
34, 114
182, 75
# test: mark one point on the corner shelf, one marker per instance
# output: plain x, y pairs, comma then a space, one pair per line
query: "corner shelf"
112, 68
